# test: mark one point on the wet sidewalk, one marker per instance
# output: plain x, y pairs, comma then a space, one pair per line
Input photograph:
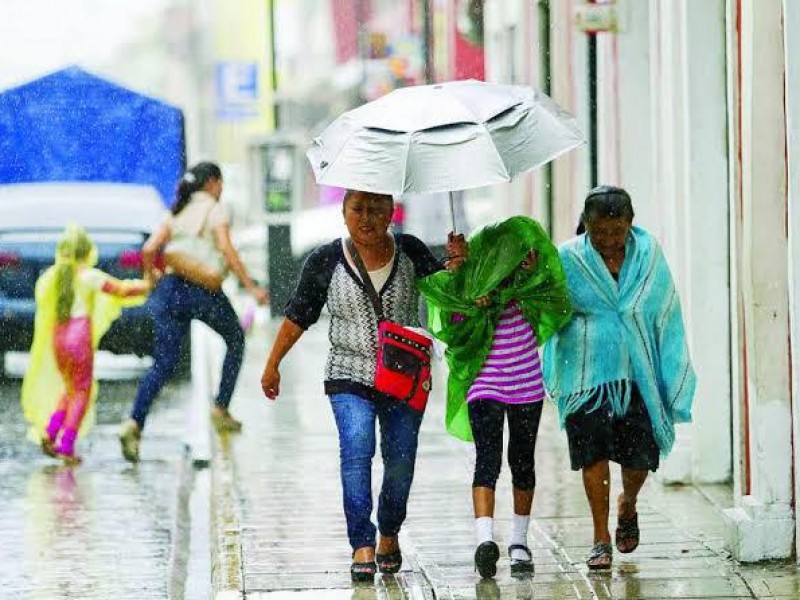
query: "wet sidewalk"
106, 528
278, 528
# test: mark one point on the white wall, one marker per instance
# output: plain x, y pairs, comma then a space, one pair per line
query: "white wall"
705, 202
569, 88
663, 112
762, 525
791, 19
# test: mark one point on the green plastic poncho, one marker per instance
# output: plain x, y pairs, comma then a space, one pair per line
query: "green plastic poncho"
495, 253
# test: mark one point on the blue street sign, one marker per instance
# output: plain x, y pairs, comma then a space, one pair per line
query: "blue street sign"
237, 90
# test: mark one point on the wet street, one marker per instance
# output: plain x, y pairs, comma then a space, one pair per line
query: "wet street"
265, 520
105, 529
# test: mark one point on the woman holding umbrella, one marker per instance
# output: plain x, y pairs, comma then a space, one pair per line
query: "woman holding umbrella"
420, 139
330, 276
620, 370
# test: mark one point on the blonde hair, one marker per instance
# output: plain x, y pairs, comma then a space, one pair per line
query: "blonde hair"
73, 248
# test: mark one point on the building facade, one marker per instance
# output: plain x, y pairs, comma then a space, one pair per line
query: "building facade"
692, 107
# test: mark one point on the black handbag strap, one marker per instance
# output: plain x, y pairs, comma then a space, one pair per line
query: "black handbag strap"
365, 278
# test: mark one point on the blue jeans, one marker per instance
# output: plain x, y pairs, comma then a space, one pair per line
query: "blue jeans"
174, 303
399, 426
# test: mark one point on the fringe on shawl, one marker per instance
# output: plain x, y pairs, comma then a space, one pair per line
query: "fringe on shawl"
617, 393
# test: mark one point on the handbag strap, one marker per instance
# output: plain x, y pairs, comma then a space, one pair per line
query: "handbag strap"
205, 220
366, 280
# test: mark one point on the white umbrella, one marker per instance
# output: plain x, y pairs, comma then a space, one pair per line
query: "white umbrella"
441, 138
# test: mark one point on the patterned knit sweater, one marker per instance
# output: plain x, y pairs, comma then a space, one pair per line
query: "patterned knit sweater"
328, 278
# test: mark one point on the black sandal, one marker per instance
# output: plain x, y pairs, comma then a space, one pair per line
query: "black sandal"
521, 565
486, 557
362, 572
390, 562
627, 534
600, 557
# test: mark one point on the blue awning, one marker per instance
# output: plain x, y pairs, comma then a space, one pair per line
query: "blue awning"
74, 126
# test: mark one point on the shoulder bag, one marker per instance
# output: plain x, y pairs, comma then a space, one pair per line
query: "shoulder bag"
196, 258
403, 369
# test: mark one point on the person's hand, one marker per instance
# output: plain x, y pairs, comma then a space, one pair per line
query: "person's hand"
259, 294
152, 277
451, 264
271, 382
483, 301
457, 245
457, 251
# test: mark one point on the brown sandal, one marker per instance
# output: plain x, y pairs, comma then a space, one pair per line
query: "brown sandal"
627, 534
600, 557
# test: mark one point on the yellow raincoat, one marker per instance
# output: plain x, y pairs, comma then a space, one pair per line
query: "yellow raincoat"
43, 385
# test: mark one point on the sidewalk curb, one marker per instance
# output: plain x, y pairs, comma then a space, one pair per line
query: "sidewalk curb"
227, 572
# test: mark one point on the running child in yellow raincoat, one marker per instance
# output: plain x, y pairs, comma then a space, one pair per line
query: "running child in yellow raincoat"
75, 305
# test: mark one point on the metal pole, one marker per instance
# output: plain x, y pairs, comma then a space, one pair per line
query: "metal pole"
452, 212
591, 57
273, 65
427, 39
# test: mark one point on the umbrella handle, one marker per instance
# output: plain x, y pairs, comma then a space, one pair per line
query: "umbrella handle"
452, 212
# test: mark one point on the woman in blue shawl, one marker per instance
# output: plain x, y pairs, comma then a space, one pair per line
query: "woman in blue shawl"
620, 370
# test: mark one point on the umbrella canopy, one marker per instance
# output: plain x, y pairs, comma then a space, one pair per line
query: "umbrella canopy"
445, 137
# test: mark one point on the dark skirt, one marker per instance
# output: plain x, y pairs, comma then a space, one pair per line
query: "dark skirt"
596, 435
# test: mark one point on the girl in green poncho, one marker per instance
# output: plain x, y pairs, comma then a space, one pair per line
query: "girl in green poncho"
493, 312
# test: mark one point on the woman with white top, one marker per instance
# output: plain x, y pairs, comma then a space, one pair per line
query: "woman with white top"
394, 264
176, 301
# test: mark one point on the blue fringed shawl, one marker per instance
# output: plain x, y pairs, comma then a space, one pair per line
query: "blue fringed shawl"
630, 331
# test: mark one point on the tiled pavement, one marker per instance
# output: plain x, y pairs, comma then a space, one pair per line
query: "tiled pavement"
279, 528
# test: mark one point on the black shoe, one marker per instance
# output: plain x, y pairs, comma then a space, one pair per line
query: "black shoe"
521, 566
362, 572
390, 562
486, 557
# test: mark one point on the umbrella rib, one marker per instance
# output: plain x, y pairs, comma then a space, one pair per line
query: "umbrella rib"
500, 158
339, 154
405, 163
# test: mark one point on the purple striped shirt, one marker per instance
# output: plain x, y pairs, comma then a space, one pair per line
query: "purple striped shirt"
512, 372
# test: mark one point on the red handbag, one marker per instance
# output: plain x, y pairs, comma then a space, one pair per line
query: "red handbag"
404, 364
403, 369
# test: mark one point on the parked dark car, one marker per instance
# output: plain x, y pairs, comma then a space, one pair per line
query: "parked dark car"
118, 217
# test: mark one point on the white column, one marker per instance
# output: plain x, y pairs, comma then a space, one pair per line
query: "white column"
707, 306
762, 526
635, 135
791, 19
198, 435
569, 88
